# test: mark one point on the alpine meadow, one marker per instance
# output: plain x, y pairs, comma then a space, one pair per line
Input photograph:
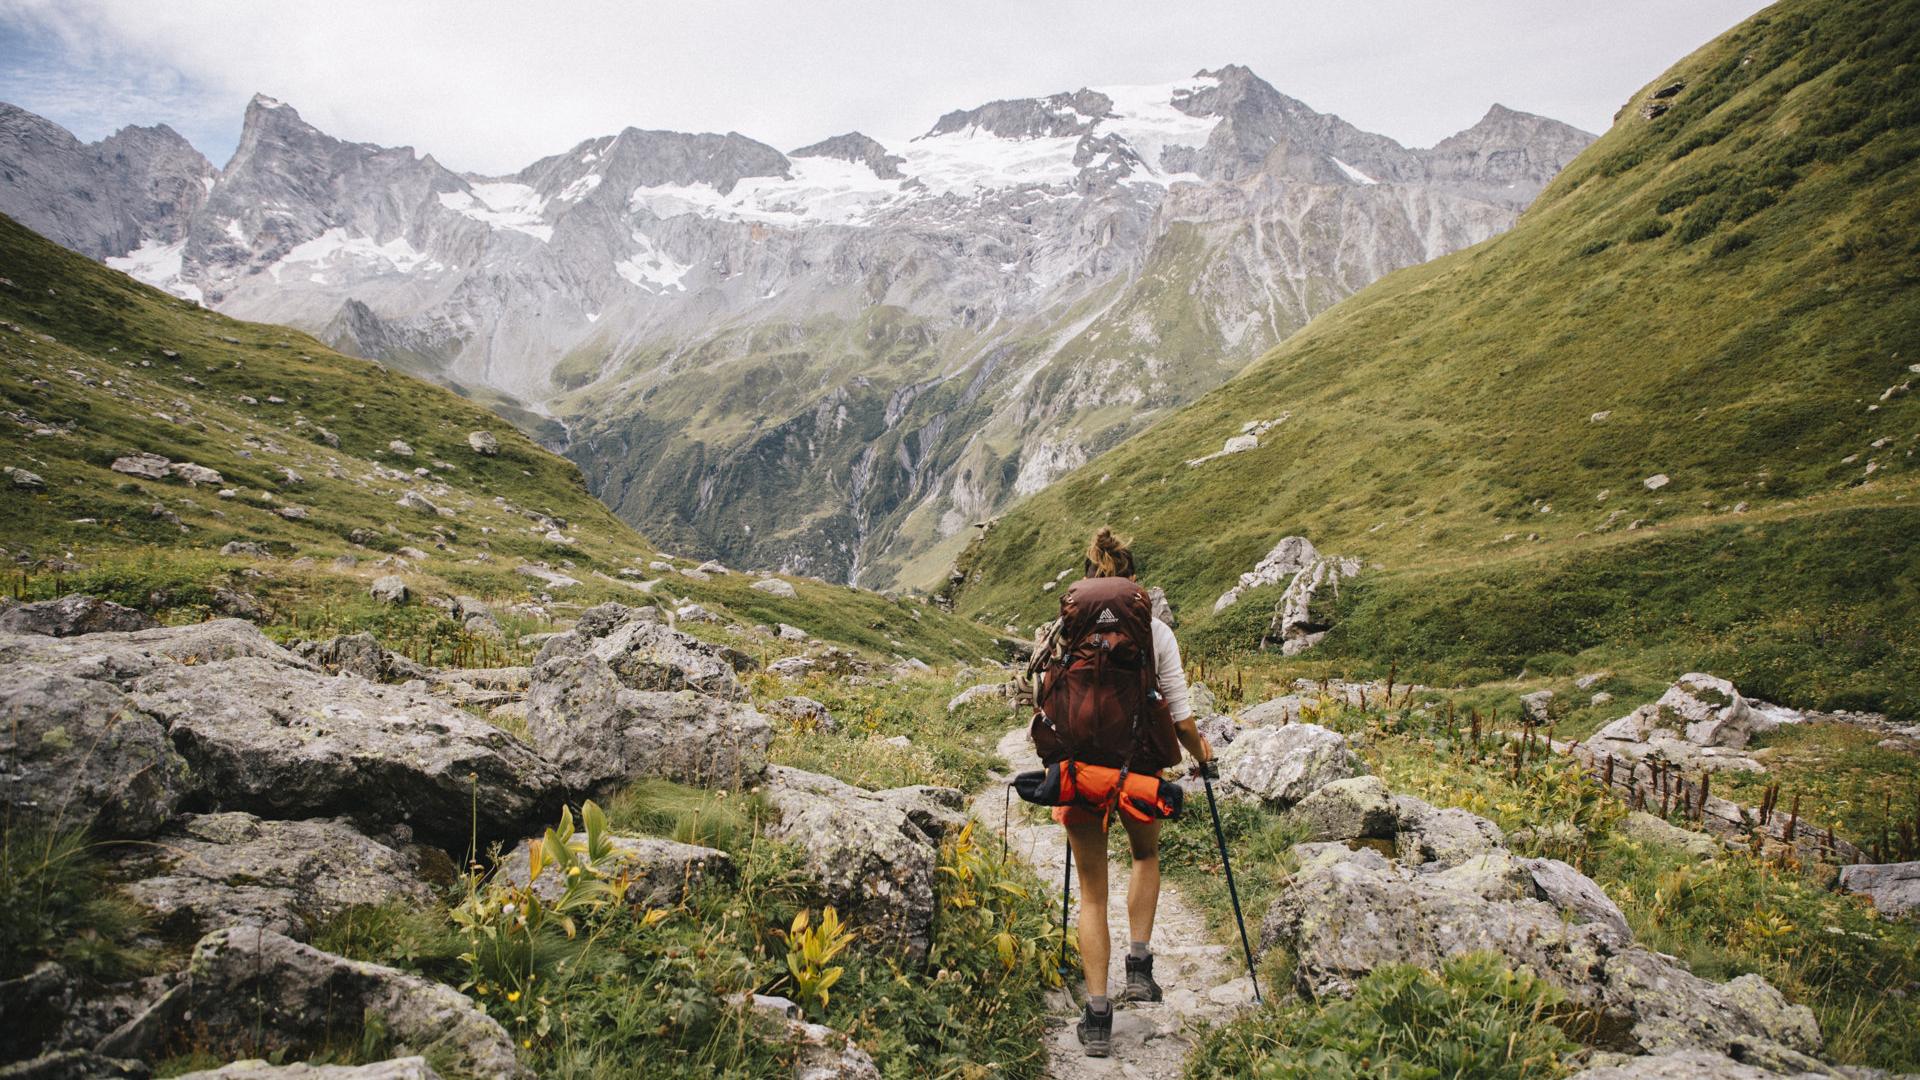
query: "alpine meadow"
691, 608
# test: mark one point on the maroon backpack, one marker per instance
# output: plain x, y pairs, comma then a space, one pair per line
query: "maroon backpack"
1098, 698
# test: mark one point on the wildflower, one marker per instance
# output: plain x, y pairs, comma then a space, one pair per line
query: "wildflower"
527, 1043
513, 995
573, 871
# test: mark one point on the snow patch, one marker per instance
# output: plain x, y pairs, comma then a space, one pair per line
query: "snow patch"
1353, 174
334, 247
580, 188
823, 191
650, 268
158, 265
502, 205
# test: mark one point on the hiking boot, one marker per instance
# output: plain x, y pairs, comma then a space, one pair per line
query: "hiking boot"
1140, 984
1096, 1031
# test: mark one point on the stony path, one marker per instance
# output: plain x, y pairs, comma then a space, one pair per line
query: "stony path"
1203, 980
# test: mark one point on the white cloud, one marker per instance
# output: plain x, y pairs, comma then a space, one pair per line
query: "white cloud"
489, 85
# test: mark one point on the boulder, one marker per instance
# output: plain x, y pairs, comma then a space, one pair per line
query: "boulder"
1687, 1065
390, 589
1161, 609
646, 655
1346, 912
79, 752
233, 869
599, 731
483, 443
1271, 712
359, 654
26, 481
939, 812
120, 657
774, 587
990, 692
792, 633
287, 742
246, 548
864, 852
803, 713
255, 991
1894, 888
1282, 765
406, 1068
694, 612
1649, 829
1356, 808
399, 446
1443, 838
1537, 706
196, 475
72, 614
415, 501
660, 873
145, 466
551, 578
1700, 722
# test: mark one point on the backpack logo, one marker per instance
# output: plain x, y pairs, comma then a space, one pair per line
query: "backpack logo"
1106, 616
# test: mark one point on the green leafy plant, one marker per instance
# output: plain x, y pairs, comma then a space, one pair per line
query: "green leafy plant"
810, 951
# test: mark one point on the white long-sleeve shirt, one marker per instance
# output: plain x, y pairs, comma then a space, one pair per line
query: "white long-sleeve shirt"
1173, 675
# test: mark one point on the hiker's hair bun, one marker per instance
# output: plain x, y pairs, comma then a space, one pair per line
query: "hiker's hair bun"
1108, 555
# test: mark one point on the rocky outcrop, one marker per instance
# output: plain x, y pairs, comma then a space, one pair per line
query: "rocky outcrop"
1347, 912
1441, 838
1288, 557
646, 654
256, 992
1894, 888
359, 654
407, 1068
659, 873
1306, 609
1701, 722
208, 871
1356, 808
70, 615
79, 752
864, 850
1283, 765
803, 713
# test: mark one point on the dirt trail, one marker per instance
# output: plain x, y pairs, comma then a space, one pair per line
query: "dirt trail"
1203, 980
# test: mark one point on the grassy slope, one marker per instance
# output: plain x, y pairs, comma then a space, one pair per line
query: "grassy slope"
1733, 282
83, 350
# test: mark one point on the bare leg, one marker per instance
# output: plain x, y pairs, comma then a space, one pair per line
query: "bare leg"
1089, 843
1143, 885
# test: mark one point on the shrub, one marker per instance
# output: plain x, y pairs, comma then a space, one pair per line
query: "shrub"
1649, 229
58, 907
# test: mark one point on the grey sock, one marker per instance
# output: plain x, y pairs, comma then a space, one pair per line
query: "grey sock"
1099, 1005
1138, 950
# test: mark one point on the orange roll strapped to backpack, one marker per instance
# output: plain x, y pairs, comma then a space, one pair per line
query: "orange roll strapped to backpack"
1141, 796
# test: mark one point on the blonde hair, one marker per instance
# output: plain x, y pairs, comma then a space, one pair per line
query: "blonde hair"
1108, 555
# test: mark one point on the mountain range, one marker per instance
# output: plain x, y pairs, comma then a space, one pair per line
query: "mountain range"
830, 361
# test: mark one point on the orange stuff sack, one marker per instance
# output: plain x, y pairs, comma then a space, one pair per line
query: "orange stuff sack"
1141, 796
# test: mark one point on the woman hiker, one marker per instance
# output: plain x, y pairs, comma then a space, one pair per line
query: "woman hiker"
1109, 690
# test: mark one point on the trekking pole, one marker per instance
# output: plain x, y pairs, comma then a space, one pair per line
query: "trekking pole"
1220, 835
1066, 881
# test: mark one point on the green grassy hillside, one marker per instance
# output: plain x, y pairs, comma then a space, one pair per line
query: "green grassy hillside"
94, 366
1725, 292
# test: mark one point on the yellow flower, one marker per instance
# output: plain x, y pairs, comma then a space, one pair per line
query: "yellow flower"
573, 871
527, 1043
513, 995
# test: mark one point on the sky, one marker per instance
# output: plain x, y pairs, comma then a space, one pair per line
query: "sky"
489, 86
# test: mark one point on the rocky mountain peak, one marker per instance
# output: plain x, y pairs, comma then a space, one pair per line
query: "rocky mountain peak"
859, 149
1053, 117
137, 187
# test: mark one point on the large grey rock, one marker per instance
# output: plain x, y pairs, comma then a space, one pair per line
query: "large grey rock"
389, 589
1356, 808
79, 752
1282, 765
255, 991
143, 465
660, 873
70, 615
598, 731
359, 654
484, 443
1287, 558
1649, 829
1345, 913
1894, 888
283, 742
1700, 722
1305, 610
207, 871
774, 587
864, 852
647, 655
407, 1068
984, 692
1272, 712
1706, 1065
803, 713
1446, 837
